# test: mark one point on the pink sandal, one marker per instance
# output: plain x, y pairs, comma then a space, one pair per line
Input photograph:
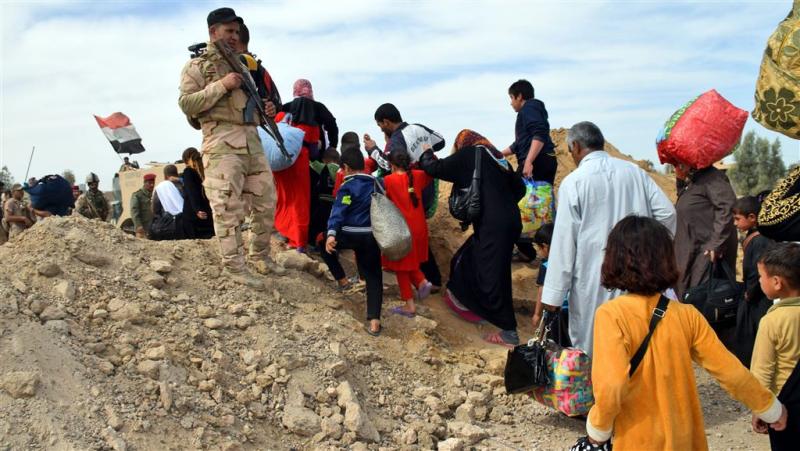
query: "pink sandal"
464, 314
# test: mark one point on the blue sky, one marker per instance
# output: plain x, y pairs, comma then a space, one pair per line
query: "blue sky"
623, 65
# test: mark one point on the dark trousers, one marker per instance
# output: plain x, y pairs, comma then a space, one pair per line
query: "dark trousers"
368, 260
526, 248
431, 269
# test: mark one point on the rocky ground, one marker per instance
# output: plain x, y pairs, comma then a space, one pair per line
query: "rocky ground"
109, 342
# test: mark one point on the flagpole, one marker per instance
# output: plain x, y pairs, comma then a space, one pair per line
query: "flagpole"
30, 160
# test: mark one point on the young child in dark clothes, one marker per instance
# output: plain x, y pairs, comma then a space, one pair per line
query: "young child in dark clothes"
323, 179
559, 331
349, 227
756, 304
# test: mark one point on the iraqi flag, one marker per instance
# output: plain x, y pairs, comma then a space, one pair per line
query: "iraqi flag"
121, 133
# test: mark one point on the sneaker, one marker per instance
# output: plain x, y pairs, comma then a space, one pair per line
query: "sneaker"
244, 277
268, 266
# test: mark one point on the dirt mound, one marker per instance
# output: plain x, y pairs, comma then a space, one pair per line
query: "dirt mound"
111, 342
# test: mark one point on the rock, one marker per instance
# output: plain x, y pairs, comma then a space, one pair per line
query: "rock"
332, 303
116, 304
19, 286
337, 368
331, 429
436, 405
345, 394
236, 309
157, 353
422, 392
367, 357
48, 269
356, 420
213, 323
294, 260
205, 311
249, 356
149, 368
52, 312
20, 384
66, 289
470, 433
206, 386
131, 312
301, 421
477, 398
165, 395
105, 366
161, 266
423, 324
58, 326
466, 413
99, 313
337, 348
451, 444
91, 259
244, 322
155, 280
489, 380
114, 421
114, 440
494, 359
408, 437
37, 306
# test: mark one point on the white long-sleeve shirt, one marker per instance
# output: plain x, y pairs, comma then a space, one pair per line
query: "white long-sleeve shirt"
591, 200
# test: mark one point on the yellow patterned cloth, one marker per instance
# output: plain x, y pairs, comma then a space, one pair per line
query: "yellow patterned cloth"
777, 94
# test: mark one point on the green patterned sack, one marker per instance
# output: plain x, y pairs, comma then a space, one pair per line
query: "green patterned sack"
778, 87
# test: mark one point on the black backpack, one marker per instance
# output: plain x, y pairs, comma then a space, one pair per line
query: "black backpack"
718, 296
465, 203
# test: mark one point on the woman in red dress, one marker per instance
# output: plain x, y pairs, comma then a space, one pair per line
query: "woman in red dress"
293, 185
404, 187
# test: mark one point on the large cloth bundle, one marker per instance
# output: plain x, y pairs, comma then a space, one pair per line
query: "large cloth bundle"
777, 94
779, 218
389, 226
52, 193
537, 207
292, 141
702, 132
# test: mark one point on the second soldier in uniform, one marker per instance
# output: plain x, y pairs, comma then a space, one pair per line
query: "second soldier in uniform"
93, 204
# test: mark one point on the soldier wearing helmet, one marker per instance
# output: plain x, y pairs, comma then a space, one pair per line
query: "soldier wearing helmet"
92, 204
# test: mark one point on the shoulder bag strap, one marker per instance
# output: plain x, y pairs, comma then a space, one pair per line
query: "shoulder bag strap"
658, 313
747, 240
476, 174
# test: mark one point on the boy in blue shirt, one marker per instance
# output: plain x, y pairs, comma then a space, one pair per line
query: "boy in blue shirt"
559, 331
349, 227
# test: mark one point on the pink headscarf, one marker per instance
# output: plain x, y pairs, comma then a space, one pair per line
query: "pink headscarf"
302, 88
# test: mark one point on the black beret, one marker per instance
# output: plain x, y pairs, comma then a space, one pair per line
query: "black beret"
223, 15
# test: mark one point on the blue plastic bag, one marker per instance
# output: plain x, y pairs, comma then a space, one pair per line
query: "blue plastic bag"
292, 140
52, 193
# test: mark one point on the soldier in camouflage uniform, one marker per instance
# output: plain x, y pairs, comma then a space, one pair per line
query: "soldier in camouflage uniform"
93, 204
16, 215
233, 156
141, 209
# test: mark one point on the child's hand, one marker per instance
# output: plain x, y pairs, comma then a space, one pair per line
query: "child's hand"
758, 425
330, 244
369, 143
781, 423
536, 319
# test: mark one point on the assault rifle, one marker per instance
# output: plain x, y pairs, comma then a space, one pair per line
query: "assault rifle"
252, 93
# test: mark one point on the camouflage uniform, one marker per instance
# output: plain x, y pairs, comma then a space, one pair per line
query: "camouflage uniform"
14, 207
93, 205
233, 158
142, 211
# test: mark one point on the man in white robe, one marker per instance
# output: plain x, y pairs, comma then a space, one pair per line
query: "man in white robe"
591, 200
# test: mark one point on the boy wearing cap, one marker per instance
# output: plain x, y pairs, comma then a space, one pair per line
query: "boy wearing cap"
233, 156
16, 215
141, 211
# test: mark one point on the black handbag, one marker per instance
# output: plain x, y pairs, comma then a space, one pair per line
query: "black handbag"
465, 203
717, 298
526, 365
166, 227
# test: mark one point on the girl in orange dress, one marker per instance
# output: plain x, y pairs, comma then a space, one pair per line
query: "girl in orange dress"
404, 187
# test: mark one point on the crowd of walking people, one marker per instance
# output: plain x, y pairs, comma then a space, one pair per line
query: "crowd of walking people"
616, 253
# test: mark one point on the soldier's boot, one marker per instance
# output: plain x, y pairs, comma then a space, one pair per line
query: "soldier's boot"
268, 266
244, 277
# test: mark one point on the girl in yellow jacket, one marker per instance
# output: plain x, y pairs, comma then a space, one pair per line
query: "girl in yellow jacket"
657, 407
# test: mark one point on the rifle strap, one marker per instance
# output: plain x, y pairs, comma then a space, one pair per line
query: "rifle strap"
747, 240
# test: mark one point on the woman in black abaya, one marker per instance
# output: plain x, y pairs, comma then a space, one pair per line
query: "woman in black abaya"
480, 271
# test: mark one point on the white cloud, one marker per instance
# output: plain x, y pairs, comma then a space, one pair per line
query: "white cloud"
625, 65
